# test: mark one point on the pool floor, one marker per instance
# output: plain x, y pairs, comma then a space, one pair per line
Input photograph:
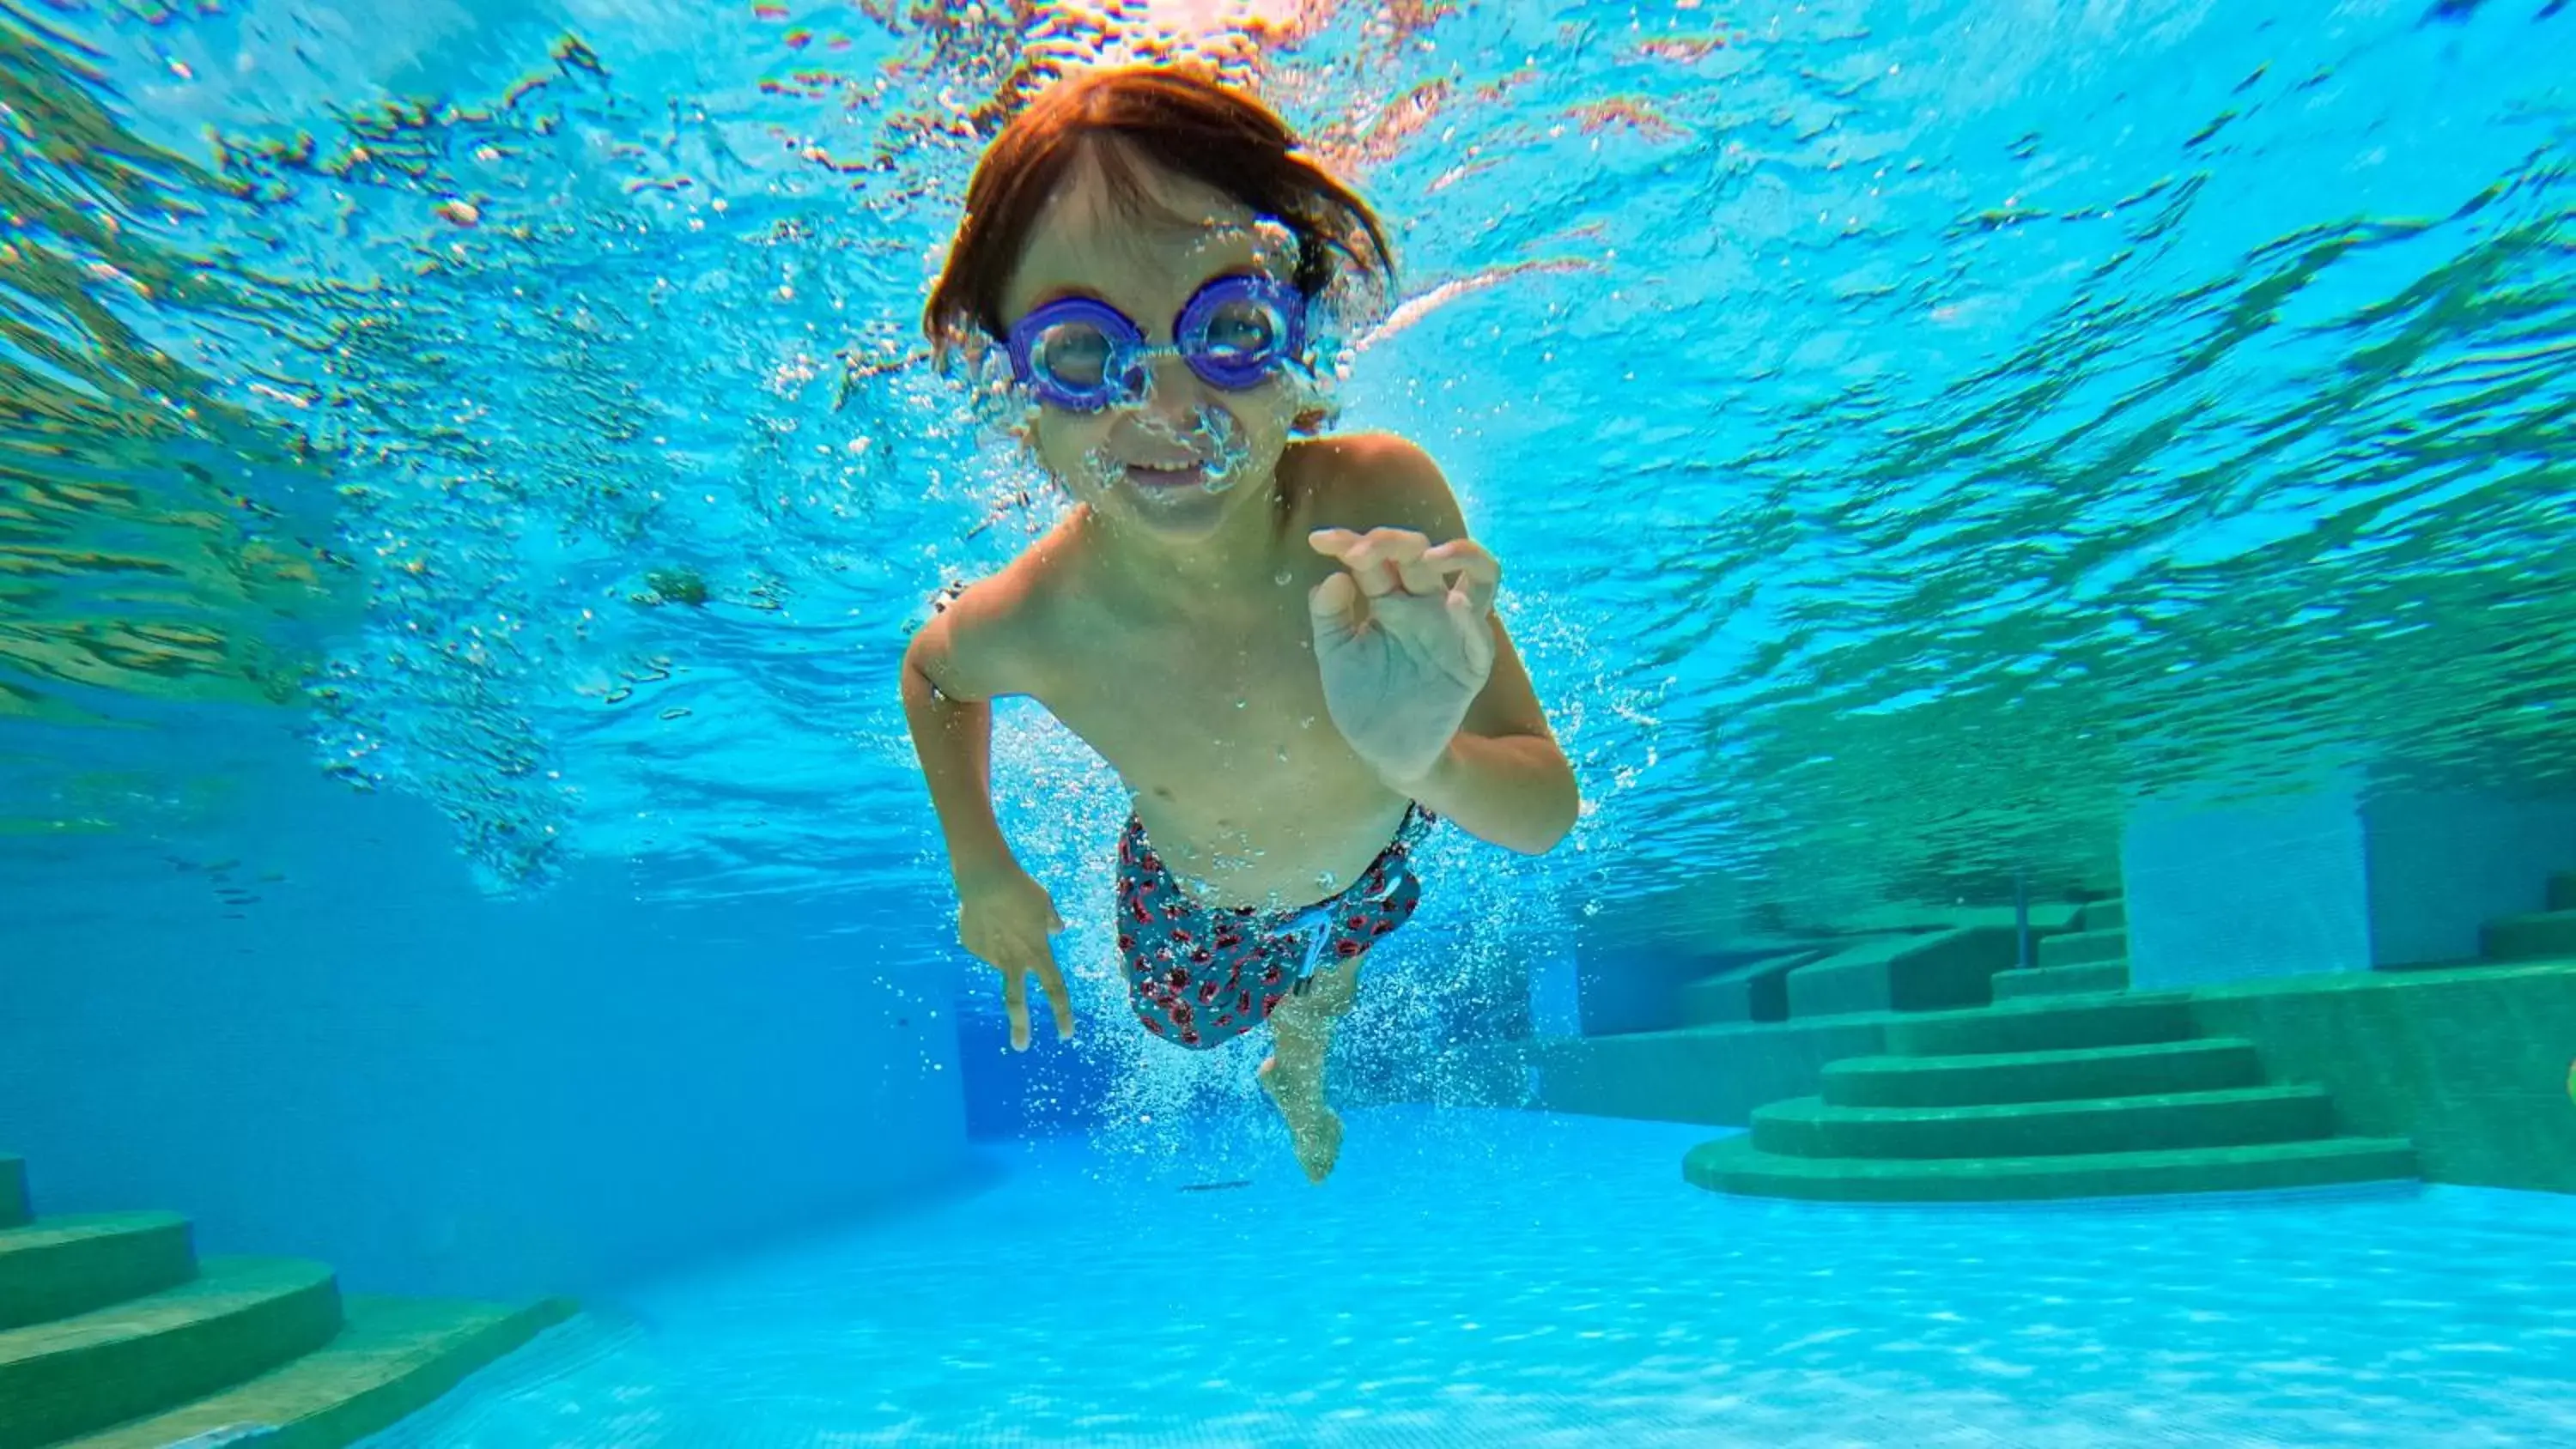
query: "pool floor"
1519, 1279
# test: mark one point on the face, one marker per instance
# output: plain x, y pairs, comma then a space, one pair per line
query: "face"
1184, 457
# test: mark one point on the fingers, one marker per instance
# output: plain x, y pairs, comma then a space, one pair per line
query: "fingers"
1383, 560
1477, 572
1015, 1004
1052, 979
1017, 964
1393, 563
1334, 607
1419, 576
1375, 559
1386, 561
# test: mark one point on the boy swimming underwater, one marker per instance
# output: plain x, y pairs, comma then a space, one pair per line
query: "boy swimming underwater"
1286, 647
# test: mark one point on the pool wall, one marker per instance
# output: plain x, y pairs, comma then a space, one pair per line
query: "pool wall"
372, 1062
2331, 880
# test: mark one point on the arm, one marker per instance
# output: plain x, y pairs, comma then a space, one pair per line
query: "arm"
1502, 777
954, 667
952, 735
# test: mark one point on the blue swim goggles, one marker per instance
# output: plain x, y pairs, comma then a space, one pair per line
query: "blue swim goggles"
1081, 354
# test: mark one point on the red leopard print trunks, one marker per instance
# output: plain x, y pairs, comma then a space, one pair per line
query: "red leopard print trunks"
1202, 975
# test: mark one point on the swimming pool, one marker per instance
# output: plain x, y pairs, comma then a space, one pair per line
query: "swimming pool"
469, 471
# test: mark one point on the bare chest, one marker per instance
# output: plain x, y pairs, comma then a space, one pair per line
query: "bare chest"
1194, 713
1221, 735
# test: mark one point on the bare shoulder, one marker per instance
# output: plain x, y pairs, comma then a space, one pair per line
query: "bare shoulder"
991, 640
1361, 481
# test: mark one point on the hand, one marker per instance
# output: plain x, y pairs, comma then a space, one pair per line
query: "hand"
1404, 636
1003, 919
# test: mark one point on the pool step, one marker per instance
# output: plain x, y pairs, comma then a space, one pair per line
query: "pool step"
2110, 915
1996, 1078
1912, 971
2543, 936
1734, 1164
113, 1335
238, 1317
393, 1358
2090, 978
71, 1265
2045, 1025
2071, 1086
1751, 990
2079, 948
2100, 1095
2229, 1117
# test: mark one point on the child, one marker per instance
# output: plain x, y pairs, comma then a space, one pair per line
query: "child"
1286, 649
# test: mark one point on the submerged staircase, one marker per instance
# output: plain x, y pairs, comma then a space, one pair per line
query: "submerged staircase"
1911, 961
115, 1335
2067, 1087
2091, 958
2547, 935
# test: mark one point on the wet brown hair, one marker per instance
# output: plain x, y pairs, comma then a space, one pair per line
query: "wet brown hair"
1166, 117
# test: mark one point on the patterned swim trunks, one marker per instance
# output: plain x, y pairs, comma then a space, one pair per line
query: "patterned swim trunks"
1202, 975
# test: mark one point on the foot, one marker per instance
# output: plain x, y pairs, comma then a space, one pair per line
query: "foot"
1314, 1129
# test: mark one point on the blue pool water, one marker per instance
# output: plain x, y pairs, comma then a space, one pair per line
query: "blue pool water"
1494, 1278
468, 471
1880, 409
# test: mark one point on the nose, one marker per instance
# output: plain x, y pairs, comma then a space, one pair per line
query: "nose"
1165, 391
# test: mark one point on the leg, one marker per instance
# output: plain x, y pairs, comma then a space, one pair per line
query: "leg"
1301, 1033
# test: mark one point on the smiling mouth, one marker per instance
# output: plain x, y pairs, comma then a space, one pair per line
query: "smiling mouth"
1187, 475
